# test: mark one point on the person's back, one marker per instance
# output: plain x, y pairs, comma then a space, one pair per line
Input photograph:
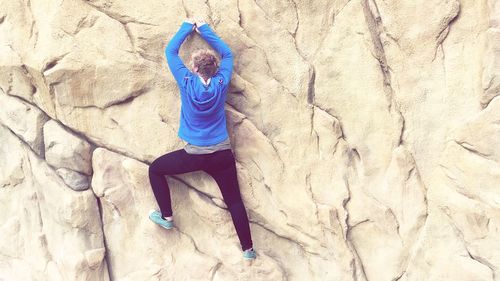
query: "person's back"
204, 89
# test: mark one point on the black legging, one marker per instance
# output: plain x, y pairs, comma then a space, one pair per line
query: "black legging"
220, 165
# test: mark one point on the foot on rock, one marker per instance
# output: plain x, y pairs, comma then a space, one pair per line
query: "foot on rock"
249, 254
157, 218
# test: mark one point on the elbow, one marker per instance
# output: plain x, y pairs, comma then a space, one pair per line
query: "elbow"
170, 51
172, 46
168, 48
227, 53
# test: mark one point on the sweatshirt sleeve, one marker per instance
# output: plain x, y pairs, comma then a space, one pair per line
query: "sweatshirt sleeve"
177, 67
226, 63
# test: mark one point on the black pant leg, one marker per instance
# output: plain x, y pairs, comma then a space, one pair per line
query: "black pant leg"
222, 167
175, 162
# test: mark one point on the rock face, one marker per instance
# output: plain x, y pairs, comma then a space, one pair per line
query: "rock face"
65, 150
366, 135
70, 155
24, 120
49, 232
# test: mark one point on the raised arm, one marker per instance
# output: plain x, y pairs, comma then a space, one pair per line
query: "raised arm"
226, 63
177, 67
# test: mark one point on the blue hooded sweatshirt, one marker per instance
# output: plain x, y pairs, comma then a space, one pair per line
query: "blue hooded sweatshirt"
203, 119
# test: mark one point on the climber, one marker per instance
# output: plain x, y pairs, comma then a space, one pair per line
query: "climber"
203, 90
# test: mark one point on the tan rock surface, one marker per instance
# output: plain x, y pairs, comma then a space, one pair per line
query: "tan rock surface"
63, 149
24, 120
366, 135
49, 232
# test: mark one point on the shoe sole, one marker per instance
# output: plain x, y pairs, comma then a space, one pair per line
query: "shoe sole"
250, 259
160, 224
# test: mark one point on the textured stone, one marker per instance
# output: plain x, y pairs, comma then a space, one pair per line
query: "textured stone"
48, 230
365, 133
24, 120
63, 149
77, 181
491, 72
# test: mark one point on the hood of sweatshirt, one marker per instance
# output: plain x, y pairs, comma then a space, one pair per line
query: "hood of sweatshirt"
203, 97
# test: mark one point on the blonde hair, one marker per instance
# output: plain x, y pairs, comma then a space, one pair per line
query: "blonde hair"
204, 62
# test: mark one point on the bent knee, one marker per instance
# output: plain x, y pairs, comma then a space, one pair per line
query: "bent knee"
154, 168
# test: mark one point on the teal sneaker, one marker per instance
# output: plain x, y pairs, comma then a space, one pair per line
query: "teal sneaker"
157, 218
249, 254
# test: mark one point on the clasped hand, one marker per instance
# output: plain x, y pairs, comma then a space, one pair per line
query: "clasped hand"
197, 22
